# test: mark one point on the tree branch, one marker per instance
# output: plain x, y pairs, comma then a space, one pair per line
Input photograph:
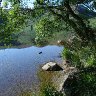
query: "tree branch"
66, 4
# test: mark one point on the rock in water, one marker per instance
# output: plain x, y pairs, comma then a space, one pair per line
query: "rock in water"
51, 66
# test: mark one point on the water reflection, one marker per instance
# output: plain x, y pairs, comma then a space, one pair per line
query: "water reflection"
19, 66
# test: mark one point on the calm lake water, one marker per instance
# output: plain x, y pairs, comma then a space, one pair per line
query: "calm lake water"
18, 67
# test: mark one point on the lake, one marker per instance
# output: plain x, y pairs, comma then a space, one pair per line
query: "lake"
18, 67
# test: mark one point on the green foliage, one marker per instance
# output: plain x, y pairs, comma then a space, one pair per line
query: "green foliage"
80, 58
48, 20
72, 56
93, 23
47, 88
80, 55
86, 84
26, 36
13, 21
5, 4
50, 91
45, 28
13, 2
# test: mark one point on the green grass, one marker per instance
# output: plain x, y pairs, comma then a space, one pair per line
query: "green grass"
47, 87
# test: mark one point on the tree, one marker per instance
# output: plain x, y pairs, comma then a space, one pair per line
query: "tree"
64, 9
11, 22
81, 51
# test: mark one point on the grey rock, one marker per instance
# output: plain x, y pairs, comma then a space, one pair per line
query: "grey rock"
51, 66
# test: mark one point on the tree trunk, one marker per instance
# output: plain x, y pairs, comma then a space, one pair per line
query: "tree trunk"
84, 32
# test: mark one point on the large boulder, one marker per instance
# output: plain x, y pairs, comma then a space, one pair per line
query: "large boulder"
51, 66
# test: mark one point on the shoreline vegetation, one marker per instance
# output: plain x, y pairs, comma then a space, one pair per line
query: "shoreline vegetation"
79, 83
51, 22
46, 85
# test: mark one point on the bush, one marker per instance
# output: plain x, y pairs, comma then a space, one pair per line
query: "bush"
84, 84
50, 91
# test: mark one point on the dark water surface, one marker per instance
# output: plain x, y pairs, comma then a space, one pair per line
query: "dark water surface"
18, 67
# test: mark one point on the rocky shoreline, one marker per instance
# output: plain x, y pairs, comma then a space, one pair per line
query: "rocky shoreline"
61, 77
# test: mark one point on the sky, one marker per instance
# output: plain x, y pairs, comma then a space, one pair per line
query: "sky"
29, 3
